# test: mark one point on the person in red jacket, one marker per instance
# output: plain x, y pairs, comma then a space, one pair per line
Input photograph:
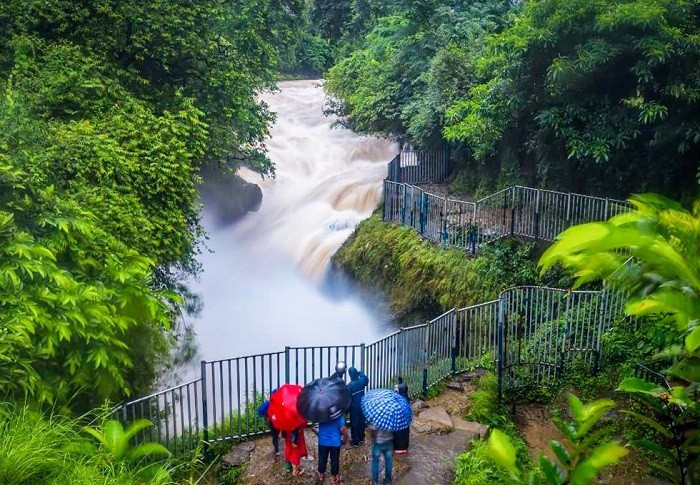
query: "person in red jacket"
295, 449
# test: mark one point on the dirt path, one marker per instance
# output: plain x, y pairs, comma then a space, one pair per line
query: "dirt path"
437, 437
534, 422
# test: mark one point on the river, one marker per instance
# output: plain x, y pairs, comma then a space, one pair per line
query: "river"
266, 280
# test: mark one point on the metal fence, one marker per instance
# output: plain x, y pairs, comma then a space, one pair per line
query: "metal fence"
419, 166
513, 211
530, 333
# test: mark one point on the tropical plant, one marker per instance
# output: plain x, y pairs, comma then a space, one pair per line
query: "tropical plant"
651, 254
50, 449
579, 460
676, 422
115, 441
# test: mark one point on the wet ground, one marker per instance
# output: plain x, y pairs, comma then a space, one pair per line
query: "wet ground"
430, 460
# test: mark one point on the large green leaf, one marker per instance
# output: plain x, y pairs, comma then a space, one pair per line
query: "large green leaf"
115, 441
649, 422
551, 471
636, 385
503, 452
601, 457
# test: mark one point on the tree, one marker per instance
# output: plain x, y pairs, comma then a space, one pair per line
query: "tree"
590, 95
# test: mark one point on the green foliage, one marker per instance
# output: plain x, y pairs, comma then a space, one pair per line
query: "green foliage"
662, 279
418, 275
71, 293
485, 407
478, 466
114, 441
108, 110
594, 92
675, 421
50, 449
579, 461
404, 73
220, 53
663, 276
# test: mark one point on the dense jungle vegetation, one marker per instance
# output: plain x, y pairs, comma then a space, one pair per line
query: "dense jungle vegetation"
598, 97
108, 110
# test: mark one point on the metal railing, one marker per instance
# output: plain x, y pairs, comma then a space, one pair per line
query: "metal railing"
419, 166
514, 211
530, 333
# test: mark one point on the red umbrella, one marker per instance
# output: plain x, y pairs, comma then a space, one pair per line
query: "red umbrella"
283, 412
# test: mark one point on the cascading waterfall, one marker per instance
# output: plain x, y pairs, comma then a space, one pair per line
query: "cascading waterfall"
264, 282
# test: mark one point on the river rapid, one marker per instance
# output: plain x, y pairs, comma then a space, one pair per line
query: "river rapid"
266, 280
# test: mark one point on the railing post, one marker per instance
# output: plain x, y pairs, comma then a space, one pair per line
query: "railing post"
536, 219
568, 208
453, 367
425, 382
205, 409
426, 358
444, 225
607, 205
286, 365
405, 202
362, 357
499, 336
423, 213
599, 333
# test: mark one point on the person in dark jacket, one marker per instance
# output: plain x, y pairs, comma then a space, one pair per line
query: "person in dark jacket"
401, 437
356, 386
274, 433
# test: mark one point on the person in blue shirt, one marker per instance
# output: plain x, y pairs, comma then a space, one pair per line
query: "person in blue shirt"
356, 386
262, 412
331, 436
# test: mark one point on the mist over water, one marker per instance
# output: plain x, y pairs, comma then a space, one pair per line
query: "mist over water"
266, 282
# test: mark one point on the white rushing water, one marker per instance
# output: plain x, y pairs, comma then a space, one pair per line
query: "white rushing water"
265, 284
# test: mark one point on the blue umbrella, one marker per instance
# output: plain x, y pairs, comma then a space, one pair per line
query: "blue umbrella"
387, 410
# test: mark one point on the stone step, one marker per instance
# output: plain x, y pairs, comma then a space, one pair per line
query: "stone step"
434, 420
474, 429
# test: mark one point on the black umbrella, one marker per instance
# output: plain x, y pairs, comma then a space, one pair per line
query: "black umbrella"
323, 400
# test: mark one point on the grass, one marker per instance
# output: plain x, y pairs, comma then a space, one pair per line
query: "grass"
417, 275
47, 448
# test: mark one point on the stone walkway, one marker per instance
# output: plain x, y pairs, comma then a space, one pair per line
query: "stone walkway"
438, 435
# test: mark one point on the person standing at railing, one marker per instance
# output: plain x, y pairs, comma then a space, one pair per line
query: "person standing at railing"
401, 437
340, 369
356, 386
274, 433
295, 449
331, 436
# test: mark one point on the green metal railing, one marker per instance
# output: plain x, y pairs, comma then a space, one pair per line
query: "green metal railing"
531, 334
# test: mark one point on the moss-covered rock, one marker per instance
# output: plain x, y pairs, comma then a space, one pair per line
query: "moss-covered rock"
418, 275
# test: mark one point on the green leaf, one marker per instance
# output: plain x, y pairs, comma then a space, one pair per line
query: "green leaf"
687, 369
148, 449
649, 422
601, 457
692, 340
551, 471
135, 427
655, 448
636, 385
561, 452
114, 438
503, 452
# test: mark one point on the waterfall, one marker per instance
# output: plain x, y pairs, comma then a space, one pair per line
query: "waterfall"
264, 281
